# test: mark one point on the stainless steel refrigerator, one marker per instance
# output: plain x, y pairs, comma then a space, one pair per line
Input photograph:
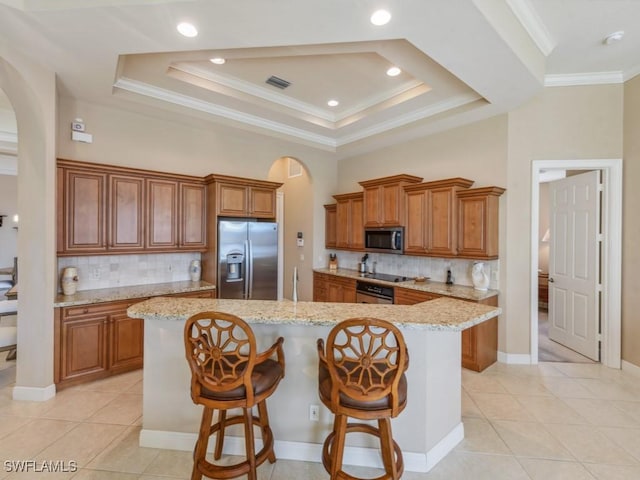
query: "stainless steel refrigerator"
247, 260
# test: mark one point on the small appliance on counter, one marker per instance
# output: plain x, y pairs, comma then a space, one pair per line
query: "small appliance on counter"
333, 262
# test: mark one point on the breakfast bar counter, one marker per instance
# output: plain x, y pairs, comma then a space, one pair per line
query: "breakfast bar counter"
426, 431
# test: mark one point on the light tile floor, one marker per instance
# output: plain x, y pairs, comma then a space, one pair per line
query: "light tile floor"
550, 421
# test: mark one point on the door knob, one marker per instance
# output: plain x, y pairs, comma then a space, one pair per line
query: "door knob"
551, 280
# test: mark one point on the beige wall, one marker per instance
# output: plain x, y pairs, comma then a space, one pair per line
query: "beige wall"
8, 207
298, 201
477, 152
561, 123
172, 143
31, 89
631, 224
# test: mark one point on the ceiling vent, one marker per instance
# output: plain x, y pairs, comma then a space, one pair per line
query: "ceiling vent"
278, 82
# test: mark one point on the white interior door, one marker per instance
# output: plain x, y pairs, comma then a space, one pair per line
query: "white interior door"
574, 263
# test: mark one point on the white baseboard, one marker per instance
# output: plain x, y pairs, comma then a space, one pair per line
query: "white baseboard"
308, 452
630, 367
514, 358
34, 394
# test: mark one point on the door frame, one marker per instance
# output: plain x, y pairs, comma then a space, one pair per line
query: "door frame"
611, 258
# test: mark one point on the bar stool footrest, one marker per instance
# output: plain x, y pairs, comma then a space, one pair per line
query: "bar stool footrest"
361, 428
232, 471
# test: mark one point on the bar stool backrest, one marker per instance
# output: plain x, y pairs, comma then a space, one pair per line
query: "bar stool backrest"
366, 358
221, 352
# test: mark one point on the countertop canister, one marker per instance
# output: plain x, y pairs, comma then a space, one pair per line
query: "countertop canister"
195, 270
69, 280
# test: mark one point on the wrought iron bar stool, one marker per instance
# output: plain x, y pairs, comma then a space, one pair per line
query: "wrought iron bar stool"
227, 372
361, 375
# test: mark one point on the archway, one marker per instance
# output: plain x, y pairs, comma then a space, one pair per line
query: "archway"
31, 90
298, 195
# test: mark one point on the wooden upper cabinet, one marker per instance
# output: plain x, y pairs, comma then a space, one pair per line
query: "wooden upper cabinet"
193, 216
478, 222
126, 212
244, 197
384, 200
431, 220
108, 209
330, 224
162, 214
350, 221
84, 221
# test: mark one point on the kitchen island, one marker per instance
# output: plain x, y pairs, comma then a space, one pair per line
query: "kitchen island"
426, 431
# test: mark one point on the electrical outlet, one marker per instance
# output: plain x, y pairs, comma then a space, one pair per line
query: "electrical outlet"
170, 268
95, 272
314, 413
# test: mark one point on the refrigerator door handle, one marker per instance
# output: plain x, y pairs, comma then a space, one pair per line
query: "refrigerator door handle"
247, 272
250, 275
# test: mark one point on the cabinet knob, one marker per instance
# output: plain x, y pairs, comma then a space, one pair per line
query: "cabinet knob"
86, 310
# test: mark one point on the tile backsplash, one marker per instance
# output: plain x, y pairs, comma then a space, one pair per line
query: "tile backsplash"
106, 271
413, 266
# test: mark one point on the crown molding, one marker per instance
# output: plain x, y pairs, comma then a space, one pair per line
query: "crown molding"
631, 73
532, 23
590, 78
164, 95
411, 117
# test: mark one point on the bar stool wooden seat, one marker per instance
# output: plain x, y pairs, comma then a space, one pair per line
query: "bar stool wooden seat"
361, 375
227, 372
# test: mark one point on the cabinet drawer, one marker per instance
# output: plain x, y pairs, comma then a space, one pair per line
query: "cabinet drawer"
97, 309
407, 296
198, 294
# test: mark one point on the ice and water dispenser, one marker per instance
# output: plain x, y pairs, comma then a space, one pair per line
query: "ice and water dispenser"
234, 266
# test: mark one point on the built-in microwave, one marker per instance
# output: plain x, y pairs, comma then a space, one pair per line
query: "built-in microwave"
384, 239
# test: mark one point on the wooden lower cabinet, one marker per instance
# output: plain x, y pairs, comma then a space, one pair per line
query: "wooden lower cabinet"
332, 288
95, 341
98, 340
479, 343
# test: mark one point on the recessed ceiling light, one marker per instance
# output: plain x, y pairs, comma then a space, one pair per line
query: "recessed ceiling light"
217, 60
613, 37
380, 17
333, 103
187, 29
394, 72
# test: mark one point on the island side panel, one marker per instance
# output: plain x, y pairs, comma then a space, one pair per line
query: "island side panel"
433, 408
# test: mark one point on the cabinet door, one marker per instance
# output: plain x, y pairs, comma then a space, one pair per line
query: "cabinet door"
84, 211
373, 205
126, 339
84, 347
126, 196
442, 223
343, 213
162, 210
262, 202
390, 212
330, 226
416, 224
334, 292
232, 200
319, 287
473, 212
193, 216
357, 224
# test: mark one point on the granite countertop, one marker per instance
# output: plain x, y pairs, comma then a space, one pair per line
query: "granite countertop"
440, 314
100, 295
439, 288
